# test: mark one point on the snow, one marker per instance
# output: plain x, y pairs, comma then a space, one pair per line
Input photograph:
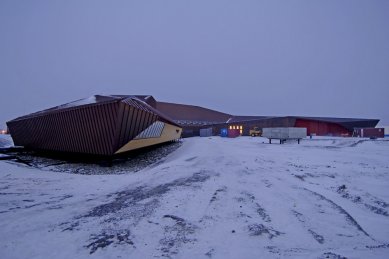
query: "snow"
211, 198
6, 141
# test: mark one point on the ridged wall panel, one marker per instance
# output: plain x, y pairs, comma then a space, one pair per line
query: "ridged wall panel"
88, 129
99, 128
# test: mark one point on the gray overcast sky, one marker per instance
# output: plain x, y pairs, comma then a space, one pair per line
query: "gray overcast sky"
316, 58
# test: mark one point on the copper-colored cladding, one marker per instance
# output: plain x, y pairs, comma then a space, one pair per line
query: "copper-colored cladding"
99, 125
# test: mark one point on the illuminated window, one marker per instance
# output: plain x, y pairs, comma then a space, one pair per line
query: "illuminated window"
241, 132
241, 127
230, 127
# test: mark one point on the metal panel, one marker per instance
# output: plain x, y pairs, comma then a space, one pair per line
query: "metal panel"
206, 132
284, 133
233, 133
321, 128
369, 133
87, 129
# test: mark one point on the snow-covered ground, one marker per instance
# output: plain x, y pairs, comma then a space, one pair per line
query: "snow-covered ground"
211, 198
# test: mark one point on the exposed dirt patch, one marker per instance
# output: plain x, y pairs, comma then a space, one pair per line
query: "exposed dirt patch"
216, 194
175, 235
105, 239
330, 255
260, 229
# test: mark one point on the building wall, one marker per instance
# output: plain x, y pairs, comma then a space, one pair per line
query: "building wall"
314, 127
94, 129
320, 128
261, 123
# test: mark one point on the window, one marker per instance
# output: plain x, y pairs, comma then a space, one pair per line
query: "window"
153, 131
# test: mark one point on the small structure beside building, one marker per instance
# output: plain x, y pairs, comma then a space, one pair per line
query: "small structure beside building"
372, 133
233, 133
206, 132
283, 134
224, 133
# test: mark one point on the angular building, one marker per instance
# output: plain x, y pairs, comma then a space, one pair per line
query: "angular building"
99, 125
114, 124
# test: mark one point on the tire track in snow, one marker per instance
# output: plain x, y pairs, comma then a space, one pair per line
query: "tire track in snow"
340, 209
301, 218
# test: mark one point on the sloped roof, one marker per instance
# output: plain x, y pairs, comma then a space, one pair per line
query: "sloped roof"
236, 119
78, 103
348, 123
195, 115
332, 119
140, 101
185, 112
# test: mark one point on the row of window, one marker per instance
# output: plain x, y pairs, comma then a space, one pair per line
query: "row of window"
236, 127
153, 131
239, 127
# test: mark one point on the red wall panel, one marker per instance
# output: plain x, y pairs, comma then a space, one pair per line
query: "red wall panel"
322, 128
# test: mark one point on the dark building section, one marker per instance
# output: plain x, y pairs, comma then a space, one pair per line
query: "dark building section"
193, 118
99, 125
333, 126
192, 115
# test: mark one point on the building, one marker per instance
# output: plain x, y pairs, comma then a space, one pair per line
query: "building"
107, 125
193, 118
99, 125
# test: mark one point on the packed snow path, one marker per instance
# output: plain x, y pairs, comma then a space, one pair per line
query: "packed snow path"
211, 198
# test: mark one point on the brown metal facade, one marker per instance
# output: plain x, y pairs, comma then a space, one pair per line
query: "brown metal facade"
101, 125
99, 128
